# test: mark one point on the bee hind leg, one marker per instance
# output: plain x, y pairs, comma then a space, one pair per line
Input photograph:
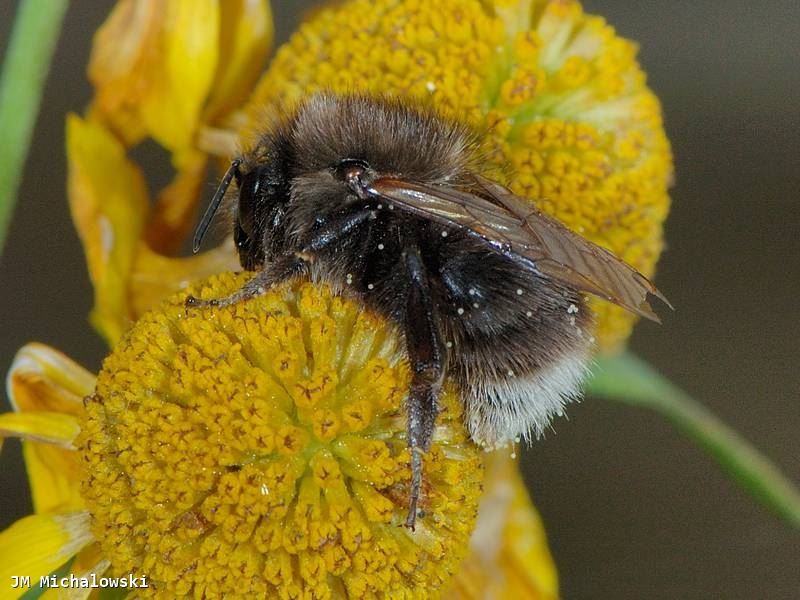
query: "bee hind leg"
281, 269
427, 356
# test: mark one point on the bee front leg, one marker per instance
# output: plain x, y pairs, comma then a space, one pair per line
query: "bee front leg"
279, 270
427, 356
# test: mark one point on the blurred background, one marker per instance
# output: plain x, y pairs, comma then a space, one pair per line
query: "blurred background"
632, 509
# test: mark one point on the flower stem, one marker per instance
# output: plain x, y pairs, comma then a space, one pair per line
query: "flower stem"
27, 62
629, 379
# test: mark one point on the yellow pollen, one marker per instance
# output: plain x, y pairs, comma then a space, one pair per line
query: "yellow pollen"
259, 450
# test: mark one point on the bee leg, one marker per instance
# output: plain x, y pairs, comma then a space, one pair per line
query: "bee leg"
281, 269
333, 230
427, 356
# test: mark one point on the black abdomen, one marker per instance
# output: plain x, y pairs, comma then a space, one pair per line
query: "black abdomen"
496, 315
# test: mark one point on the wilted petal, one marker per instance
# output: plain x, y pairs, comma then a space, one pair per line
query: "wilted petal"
509, 557
155, 277
40, 381
108, 200
42, 378
37, 545
156, 60
174, 211
119, 66
246, 33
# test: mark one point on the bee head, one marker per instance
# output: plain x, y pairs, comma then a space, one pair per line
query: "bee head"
252, 188
258, 208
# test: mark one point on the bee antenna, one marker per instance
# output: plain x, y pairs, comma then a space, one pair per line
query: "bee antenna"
232, 172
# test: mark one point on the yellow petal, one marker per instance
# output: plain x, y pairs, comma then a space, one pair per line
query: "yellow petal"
246, 33
50, 458
182, 72
108, 200
54, 477
44, 427
37, 545
119, 66
123, 123
43, 380
153, 65
174, 211
509, 557
155, 277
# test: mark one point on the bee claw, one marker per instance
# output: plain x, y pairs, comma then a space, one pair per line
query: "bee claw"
194, 302
411, 519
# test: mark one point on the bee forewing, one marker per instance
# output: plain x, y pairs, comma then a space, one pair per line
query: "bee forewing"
576, 260
511, 224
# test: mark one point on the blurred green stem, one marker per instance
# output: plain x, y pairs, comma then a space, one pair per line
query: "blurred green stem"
629, 379
25, 68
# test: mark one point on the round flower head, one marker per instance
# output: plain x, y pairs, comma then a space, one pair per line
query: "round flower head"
260, 449
558, 98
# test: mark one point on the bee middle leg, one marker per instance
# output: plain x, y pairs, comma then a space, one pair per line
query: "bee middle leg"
279, 270
427, 355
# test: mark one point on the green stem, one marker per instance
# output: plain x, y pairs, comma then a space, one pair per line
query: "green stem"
25, 69
629, 379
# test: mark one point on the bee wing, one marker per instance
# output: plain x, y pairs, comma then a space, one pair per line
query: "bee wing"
512, 225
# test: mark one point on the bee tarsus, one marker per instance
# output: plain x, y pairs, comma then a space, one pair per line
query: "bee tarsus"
276, 272
428, 358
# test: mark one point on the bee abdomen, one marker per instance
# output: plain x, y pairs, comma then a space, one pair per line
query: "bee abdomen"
501, 411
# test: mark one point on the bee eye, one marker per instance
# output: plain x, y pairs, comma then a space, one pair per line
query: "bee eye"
249, 186
350, 168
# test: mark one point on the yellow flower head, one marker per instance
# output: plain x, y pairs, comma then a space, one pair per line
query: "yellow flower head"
261, 450
133, 479
565, 114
